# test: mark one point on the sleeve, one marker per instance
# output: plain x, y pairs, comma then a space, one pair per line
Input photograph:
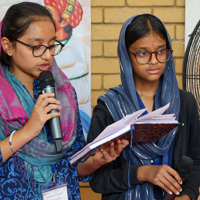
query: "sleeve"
79, 142
113, 177
190, 146
2, 137
1, 161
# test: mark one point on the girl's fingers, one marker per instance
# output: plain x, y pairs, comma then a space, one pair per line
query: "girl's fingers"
112, 149
171, 185
119, 147
106, 156
161, 185
173, 181
44, 100
41, 97
124, 143
51, 107
175, 174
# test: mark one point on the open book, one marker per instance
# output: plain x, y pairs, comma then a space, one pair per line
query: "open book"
149, 127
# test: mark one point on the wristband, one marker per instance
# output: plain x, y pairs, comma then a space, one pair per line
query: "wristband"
10, 143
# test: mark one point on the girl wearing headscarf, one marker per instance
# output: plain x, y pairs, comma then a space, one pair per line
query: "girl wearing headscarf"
30, 165
144, 171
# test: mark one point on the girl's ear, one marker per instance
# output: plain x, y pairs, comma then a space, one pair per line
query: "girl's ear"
6, 45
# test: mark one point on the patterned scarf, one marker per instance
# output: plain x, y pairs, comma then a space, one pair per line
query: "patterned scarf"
122, 100
16, 105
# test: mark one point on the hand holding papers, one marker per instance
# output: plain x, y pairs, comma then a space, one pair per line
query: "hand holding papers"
149, 127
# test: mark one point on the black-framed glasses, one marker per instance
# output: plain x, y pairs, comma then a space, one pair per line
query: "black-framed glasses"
144, 57
39, 50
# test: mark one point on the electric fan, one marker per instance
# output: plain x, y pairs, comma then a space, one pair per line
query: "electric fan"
191, 65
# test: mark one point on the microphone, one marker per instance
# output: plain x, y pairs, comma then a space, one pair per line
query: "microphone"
47, 84
183, 167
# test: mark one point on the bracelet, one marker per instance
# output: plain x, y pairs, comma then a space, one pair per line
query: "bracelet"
10, 143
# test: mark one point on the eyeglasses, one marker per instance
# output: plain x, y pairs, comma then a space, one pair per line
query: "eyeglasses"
39, 50
144, 57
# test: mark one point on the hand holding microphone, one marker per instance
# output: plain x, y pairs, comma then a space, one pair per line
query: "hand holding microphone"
47, 85
183, 167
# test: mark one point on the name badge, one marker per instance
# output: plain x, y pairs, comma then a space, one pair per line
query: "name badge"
55, 192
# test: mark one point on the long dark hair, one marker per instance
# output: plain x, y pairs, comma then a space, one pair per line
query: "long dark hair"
141, 26
17, 19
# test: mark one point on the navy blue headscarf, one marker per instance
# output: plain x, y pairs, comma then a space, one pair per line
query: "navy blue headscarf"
122, 100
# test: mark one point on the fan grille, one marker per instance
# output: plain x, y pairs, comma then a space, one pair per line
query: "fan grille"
191, 65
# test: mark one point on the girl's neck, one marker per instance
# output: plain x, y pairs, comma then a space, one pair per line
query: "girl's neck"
147, 91
24, 79
147, 88
29, 87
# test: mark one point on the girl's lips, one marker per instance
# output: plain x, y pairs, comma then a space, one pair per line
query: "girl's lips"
44, 67
153, 71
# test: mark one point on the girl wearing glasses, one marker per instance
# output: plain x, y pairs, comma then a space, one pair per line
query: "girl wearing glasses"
30, 166
148, 80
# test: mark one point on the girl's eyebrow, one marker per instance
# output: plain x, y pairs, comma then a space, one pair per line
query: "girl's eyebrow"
164, 45
39, 39
145, 48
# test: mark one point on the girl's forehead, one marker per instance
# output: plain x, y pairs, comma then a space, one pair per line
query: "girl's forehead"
40, 28
151, 39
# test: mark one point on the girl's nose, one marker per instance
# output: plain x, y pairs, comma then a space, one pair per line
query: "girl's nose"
47, 55
154, 59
